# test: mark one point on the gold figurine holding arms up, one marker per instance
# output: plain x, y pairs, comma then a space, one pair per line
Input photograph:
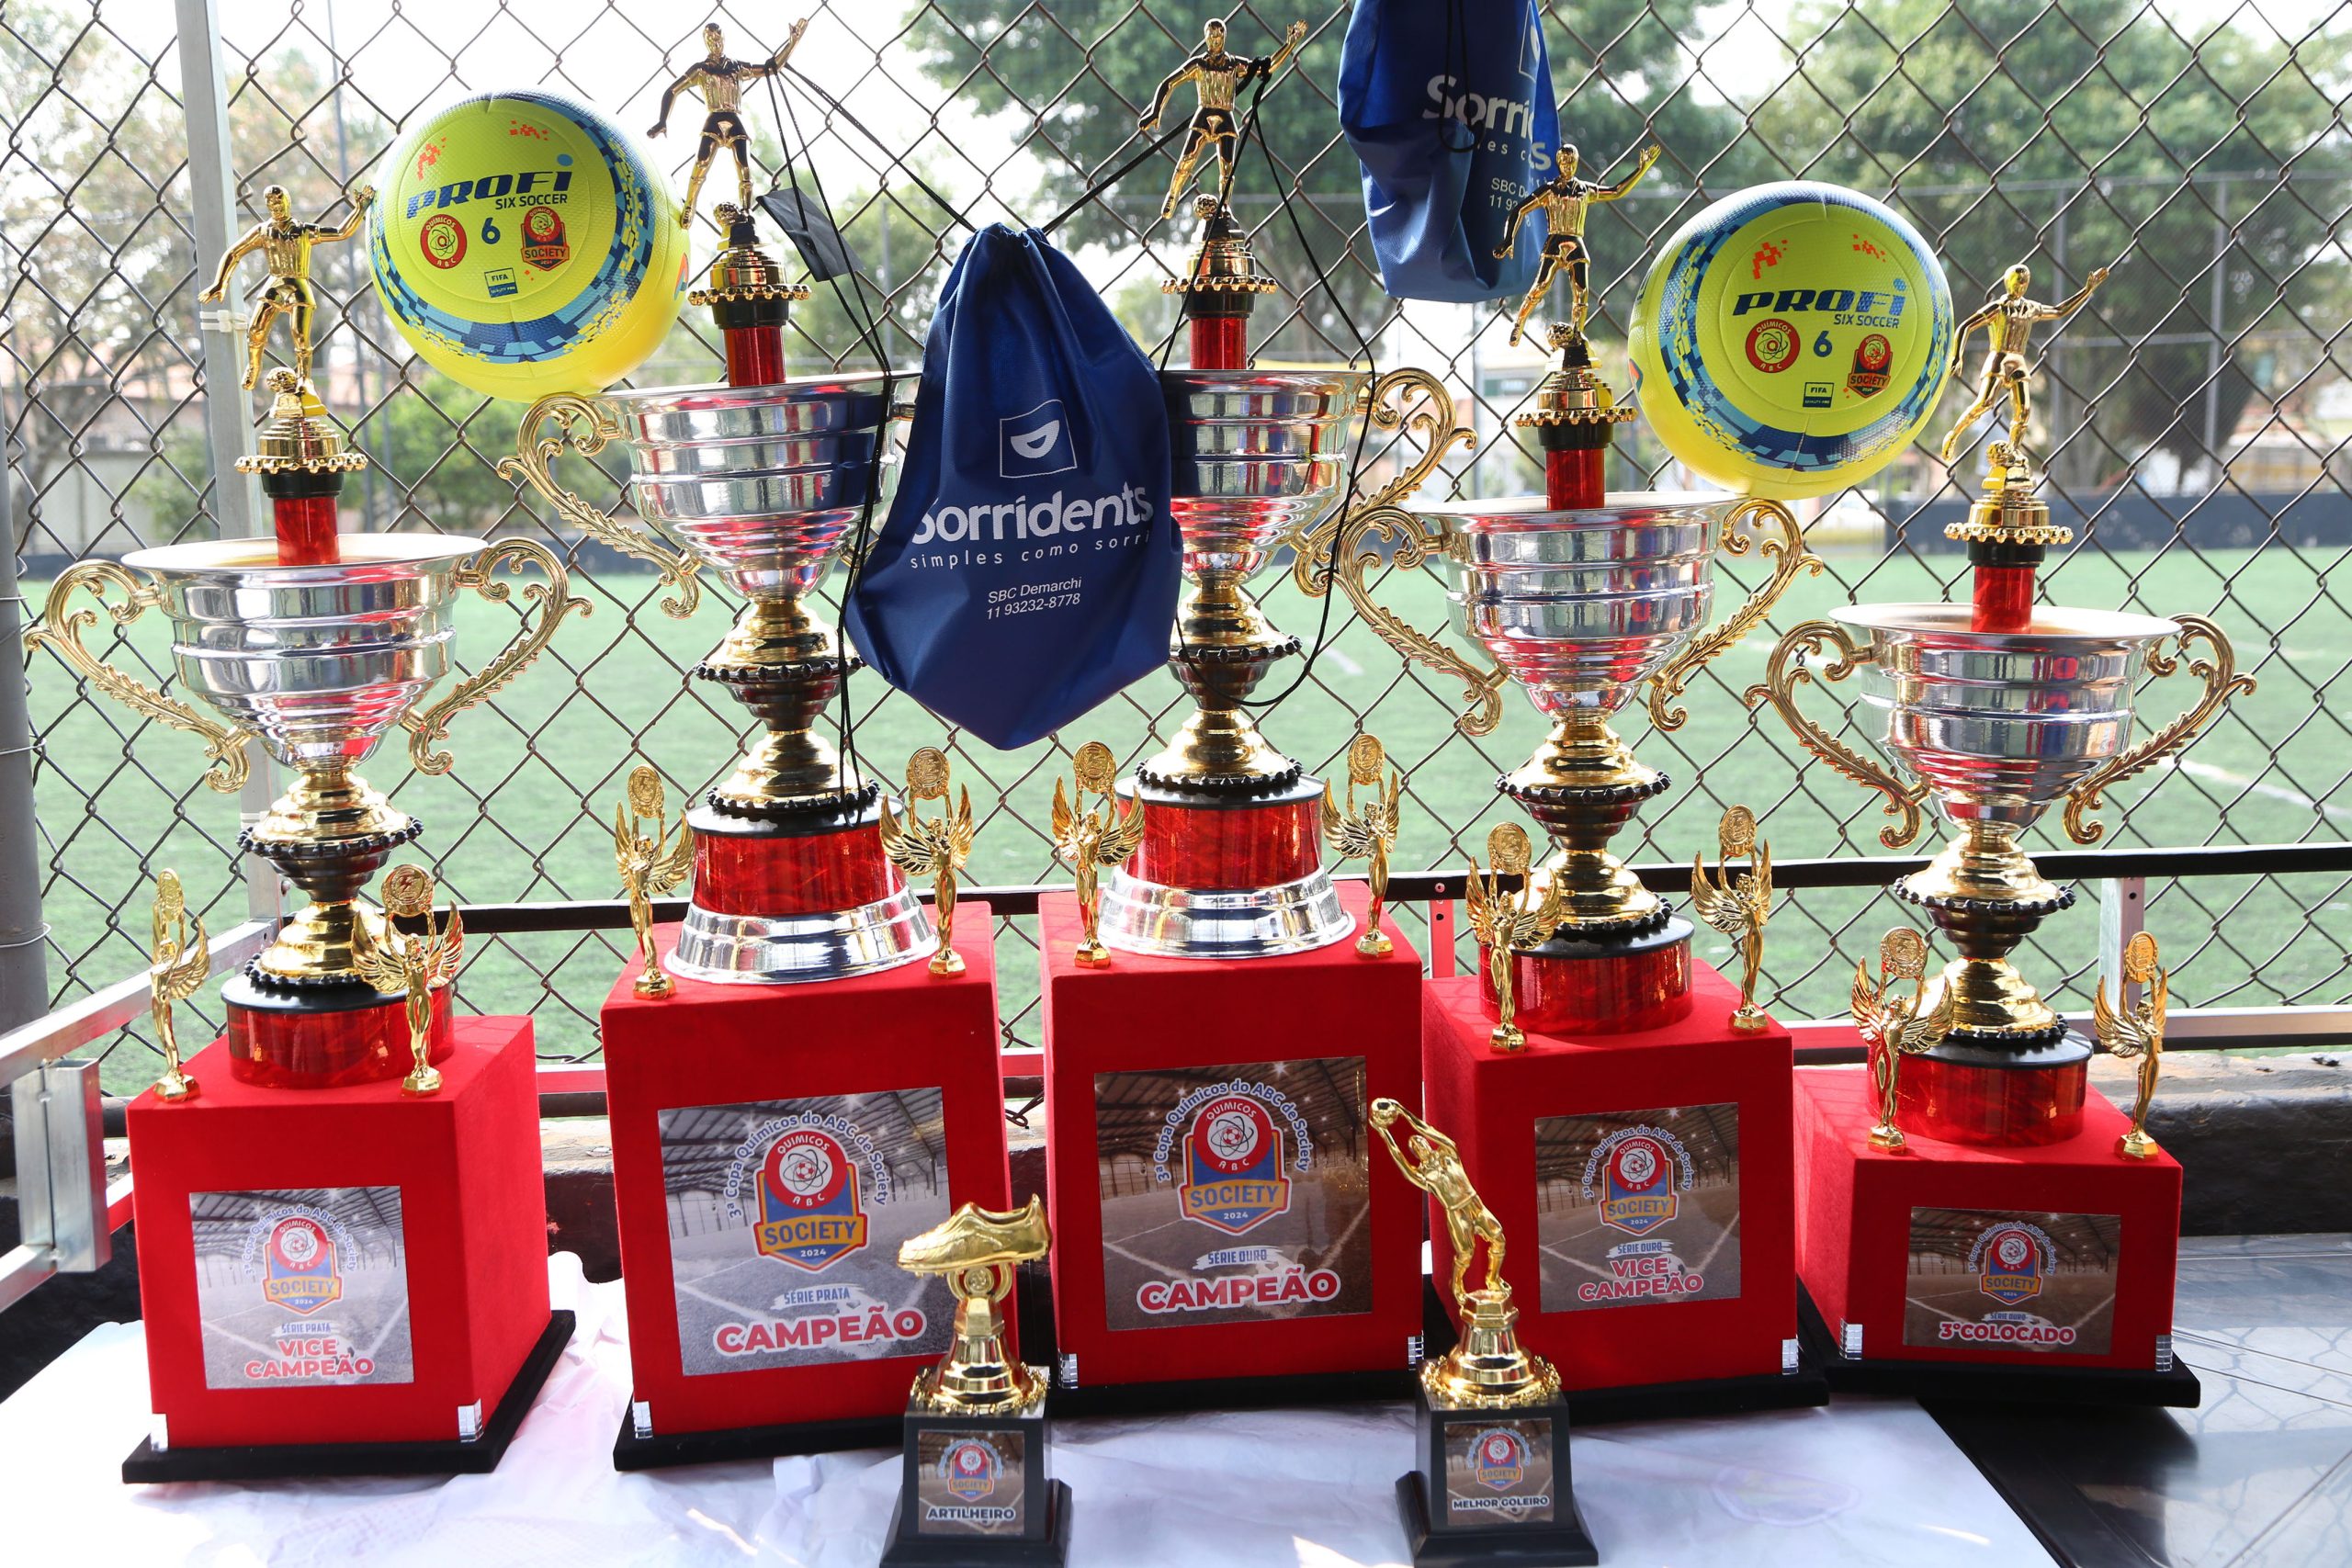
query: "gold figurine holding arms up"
1369, 830
1098, 837
1503, 923
937, 850
286, 247
1217, 77
1566, 201
719, 81
415, 965
2009, 319
176, 968
1738, 909
2137, 1032
650, 864
1892, 1026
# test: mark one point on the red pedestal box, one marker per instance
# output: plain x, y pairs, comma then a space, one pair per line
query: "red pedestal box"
1646, 1184
1224, 1217
772, 1147
340, 1266
2050, 1257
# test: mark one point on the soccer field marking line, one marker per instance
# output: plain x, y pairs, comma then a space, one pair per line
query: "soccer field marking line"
1573, 1262
1930, 1306
1155, 1266
2096, 1308
1347, 666
2296, 799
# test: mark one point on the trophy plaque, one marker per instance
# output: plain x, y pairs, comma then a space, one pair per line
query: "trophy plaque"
1616, 1099
977, 1486
1491, 1483
1979, 1137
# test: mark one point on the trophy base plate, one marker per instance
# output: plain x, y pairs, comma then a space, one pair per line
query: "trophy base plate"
1928, 1381
658, 1450
149, 1465
1621, 985
979, 1551
787, 949
1961, 1092
325, 1037
1254, 923
1563, 1545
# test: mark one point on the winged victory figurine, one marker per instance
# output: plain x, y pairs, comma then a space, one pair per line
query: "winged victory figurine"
650, 864
415, 965
1892, 1026
1088, 840
177, 968
1503, 923
1738, 909
2137, 1032
1369, 830
933, 849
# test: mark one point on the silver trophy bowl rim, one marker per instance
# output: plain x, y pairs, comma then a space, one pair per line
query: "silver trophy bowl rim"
2052, 623
258, 553
1271, 376
719, 394
1618, 506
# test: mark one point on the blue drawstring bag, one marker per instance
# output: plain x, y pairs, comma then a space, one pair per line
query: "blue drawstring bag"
1029, 565
1448, 104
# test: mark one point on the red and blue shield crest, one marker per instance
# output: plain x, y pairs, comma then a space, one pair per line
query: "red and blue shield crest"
809, 1215
1233, 1165
1498, 1459
2014, 1265
298, 1270
1637, 1185
969, 1468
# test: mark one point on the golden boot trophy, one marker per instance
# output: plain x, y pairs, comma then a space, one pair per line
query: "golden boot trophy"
977, 1486
2135, 1032
1493, 1428
650, 864
1369, 830
1089, 840
1738, 909
1506, 923
937, 850
176, 969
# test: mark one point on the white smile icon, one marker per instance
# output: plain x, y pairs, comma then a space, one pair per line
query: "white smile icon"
1038, 441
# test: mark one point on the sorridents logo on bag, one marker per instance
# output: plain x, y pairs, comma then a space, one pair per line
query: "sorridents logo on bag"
1480, 111
809, 1215
969, 1468
1637, 1170
1233, 1167
1498, 1458
2010, 1262
1031, 445
298, 1270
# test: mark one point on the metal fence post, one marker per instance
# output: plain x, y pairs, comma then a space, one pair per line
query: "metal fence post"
24, 935
2123, 915
212, 191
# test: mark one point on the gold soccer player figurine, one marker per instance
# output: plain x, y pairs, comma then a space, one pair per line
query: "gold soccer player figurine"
285, 246
1892, 1026
1088, 840
176, 969
2009, 319
975, 1250
1503, 923
1218, 78
1486, 1368
719, 80
1565, 201
415, 965
1737, 908
2137, 1032
650, 864
1370, 831
937, 850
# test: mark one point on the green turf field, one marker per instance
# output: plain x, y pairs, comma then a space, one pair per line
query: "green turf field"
526, 813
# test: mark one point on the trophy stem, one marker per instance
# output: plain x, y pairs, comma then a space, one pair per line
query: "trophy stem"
1489, 1369
1986, 895
1582, 784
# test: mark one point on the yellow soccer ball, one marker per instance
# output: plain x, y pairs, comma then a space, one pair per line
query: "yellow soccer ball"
1792, 339
523, 244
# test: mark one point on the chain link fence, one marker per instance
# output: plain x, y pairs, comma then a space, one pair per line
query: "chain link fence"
2196, 413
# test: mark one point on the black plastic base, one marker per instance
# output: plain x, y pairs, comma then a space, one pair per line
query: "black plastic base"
255, 991
1568, 1544
1981, 1382
311, 1460
1808, 1385
1235, 1394
1631, 939
978, 1551
665, 1448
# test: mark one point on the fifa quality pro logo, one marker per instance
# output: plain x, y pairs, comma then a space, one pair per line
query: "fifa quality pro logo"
1030, 445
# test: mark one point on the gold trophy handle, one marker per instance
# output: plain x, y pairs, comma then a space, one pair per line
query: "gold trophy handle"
1481, 700
555, 602
2223, 682
1789, 557
224, 744
1431, 424
1783, 675
586, 425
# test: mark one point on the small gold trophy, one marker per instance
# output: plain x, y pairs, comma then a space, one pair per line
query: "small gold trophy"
937, 850
1369, 831
414, 964
1494, 1427
719, 81
1738, 909
2009, 319
1565, 202
2138, 1032
977, 1468
650, 864
1503, 923
178, 967
1217, 78
1101, 835
286, 248
1892, 1026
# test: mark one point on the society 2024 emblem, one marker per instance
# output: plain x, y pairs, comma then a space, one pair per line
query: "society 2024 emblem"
2010, 1262
1233, 1165
969, 1468
1640, 1170
1498, 1459
809, 1213
298, 1271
